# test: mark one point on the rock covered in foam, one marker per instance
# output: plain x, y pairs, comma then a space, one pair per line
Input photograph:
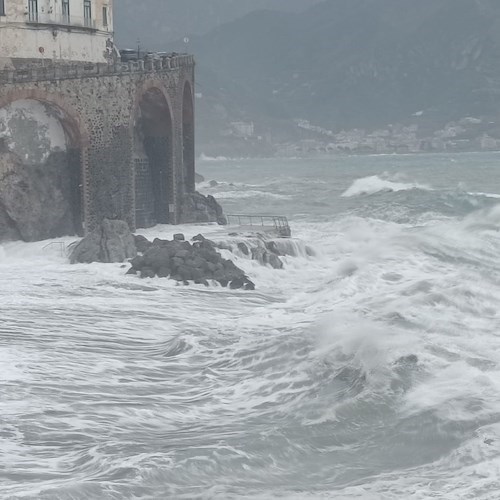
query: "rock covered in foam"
111, 241
184, 261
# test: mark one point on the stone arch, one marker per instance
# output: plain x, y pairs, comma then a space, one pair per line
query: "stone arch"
153, 132
70, 119
52, 181
188, 144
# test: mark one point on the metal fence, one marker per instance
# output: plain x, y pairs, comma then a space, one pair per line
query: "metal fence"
278, 223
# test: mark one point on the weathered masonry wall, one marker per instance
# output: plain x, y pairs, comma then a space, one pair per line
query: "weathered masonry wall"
42, 29
127, 125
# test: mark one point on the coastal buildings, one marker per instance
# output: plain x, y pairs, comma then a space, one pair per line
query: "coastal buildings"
48, 31
83, 135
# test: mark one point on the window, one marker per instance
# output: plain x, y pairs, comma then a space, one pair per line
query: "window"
2, 7
105, 17
65, 11
87, 12
33, 11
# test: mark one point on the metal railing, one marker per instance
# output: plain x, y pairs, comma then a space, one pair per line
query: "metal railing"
88, 70
59, 245
278, 223
57, 19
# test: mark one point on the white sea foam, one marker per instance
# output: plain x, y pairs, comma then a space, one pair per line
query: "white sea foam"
369, 370
207, 158
486, 195
375, 184
224, 195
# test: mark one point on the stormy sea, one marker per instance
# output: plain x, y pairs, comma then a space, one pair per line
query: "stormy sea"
369, 370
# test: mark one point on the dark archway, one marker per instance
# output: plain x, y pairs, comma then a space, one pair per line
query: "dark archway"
188, 145
153, 160
41, 188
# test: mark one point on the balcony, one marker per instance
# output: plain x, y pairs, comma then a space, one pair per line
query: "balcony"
77, 22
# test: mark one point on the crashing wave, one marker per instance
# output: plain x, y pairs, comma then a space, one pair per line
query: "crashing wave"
375, 184
250, 194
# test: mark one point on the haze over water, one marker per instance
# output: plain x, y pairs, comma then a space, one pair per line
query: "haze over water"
369, 371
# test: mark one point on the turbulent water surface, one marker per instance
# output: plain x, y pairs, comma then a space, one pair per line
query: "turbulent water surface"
371, 370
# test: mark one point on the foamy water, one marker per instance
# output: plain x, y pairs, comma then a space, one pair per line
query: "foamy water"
369, 371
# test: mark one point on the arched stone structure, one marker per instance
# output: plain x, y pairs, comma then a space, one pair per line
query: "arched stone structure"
41, 174
188, 151
153, 147
98, 107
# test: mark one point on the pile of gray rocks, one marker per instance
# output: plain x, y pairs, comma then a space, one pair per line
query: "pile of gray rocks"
186, 261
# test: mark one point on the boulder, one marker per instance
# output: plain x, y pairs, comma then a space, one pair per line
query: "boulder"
264, 257
36, 201
243, 249
199, 208
111, 241
141, 243
272, 247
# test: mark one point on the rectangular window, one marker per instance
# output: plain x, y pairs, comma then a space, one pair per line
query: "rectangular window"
33, 10
87, 12
105, 17
65, 11
2, 7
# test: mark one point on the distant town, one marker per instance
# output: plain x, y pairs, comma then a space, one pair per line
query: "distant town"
465, 135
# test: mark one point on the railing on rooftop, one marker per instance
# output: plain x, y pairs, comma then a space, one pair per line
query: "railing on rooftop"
277, 223
87, 70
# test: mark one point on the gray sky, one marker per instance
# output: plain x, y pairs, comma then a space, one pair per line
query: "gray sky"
157, 22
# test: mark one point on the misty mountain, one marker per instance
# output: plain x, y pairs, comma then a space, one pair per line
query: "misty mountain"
351, 63
156, 23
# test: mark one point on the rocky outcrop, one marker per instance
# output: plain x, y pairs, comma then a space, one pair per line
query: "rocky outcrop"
199, 208
186, 261
111, 241
265, 257
35, 200
263, 251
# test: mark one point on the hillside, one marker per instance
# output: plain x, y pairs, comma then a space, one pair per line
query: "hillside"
346, 64
157, 23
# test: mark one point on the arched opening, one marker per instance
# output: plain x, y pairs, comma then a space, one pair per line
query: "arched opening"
153, 160
188, 152
40, 172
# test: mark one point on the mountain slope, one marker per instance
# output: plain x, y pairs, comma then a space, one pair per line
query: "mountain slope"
354, 63
156, 23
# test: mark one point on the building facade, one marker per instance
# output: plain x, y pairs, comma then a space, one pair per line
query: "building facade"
88, 137
56, 31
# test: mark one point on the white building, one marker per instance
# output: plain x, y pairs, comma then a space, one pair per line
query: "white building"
56, 30
244, 130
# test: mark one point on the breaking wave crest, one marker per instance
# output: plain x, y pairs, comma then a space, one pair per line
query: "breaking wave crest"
367, 368
224, 195
375, 184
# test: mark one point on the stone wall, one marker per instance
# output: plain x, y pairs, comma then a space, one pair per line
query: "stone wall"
53, 36
99, 107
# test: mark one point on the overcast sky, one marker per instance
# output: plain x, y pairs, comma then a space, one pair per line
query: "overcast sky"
157, 22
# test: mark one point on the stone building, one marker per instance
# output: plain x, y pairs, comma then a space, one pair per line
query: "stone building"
55, 30
84, 136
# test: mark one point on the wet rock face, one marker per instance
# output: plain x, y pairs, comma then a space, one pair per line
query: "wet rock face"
199, 208
111, 241
185, 261
35, 200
